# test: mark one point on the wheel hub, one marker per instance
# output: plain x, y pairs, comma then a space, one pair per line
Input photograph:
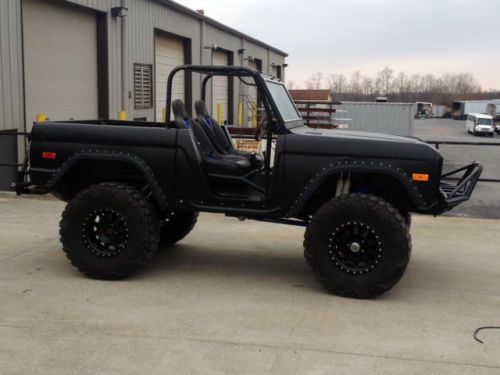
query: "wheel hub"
355, 247
105, 232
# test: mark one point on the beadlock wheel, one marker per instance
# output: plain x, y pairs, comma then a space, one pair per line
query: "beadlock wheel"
355, 247
109, 230
105, 232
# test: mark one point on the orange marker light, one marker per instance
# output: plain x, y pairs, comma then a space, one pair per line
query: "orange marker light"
49, 155
421, 177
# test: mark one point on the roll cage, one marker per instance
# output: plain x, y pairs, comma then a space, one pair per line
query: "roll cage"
276, 122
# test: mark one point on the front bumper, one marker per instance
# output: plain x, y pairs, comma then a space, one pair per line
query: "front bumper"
487, 130
466, 177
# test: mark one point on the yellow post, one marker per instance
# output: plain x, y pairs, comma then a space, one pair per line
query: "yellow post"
219, 113
41, 117
122, 116
240, 115
254, 115
164, 111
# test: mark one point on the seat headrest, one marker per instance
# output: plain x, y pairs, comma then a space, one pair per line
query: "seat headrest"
201, 109
181, 115
179, 109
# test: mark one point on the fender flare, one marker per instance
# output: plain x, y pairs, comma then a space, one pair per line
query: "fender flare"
374, 167
101, 154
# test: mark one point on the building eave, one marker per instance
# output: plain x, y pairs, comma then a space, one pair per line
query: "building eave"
210, 21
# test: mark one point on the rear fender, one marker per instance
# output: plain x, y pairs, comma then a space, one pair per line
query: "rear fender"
104, 155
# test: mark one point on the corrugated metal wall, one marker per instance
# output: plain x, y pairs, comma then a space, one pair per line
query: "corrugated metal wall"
11, 75
388, 118
144, 16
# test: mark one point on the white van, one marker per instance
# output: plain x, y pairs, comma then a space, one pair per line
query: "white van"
477, 123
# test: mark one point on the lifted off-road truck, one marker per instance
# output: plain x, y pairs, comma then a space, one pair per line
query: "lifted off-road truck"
134, 186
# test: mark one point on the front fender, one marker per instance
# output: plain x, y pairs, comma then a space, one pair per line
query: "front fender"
375, 167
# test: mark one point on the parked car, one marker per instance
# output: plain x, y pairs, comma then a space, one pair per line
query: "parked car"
132, 186
477, 123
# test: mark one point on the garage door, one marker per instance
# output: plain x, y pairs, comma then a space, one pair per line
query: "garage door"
169, 53
220, 88
252, 99
60, 62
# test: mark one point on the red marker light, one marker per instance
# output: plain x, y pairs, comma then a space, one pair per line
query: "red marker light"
49, 155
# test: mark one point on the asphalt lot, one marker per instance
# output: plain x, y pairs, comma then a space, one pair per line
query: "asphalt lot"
485, 201
237, 297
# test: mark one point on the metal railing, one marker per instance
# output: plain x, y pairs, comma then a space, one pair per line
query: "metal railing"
437, 143
14, 134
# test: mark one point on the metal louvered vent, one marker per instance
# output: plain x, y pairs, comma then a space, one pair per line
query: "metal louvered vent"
143, 86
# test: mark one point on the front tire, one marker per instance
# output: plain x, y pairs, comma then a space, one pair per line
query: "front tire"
358, 246
109, 230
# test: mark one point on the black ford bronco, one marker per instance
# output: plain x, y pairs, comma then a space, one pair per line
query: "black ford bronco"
134, 186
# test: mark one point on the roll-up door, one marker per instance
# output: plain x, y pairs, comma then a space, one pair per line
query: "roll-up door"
60, 61
169, 53
252, 99
220, 87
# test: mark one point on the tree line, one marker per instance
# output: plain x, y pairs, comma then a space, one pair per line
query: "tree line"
400, 87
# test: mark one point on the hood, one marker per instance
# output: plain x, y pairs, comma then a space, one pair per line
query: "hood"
304, 130
354, 144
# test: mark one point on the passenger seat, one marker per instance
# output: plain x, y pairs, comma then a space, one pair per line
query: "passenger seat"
215, 162
216, 135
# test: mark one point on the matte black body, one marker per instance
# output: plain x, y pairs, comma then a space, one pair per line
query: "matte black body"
171, 163
307, 166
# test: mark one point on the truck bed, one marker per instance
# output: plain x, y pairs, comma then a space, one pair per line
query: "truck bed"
56, 146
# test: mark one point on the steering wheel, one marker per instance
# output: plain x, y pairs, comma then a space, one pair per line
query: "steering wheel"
261, 128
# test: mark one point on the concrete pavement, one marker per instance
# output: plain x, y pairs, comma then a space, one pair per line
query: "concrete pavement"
237, 297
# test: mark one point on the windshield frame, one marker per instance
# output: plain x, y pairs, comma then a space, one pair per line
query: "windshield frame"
289, 124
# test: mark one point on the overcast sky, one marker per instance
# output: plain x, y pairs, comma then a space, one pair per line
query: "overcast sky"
342, 36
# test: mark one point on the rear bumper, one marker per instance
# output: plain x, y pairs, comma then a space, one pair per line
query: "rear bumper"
467, 177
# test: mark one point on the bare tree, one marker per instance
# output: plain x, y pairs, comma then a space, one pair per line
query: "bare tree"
337, 83
366, 86
402, 87
384, 78
290, 85
314, 82
355, 84
466, 84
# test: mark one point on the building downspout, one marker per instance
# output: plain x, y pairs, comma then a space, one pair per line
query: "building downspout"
202, 43
268, 68
122, 114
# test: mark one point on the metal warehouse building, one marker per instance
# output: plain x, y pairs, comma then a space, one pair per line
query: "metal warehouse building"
87, 59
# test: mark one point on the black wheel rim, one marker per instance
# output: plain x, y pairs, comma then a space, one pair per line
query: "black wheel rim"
105, 232
355, 247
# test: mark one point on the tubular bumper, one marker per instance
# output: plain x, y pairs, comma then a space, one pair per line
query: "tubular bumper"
454, 194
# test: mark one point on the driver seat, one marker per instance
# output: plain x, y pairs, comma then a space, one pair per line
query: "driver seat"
216, 135
214, 162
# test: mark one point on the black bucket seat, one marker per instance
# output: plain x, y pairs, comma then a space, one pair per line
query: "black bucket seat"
214, 161
220, 141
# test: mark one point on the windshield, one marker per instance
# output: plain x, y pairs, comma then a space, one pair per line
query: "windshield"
484, 121
282, 99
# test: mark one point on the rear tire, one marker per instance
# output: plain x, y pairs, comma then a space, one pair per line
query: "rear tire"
109, 230
358, 246
176, 226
